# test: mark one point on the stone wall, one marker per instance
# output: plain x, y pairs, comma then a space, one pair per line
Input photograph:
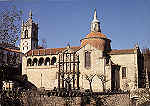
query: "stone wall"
102, 100
43, 100
141, 96
118, 100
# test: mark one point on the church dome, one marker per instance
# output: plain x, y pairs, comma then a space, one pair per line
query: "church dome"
96, 34
95, 38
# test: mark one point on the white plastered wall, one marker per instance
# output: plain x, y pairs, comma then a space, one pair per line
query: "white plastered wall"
41, 76
97, 67
130, 62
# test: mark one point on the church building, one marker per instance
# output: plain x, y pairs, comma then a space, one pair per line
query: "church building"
109, 69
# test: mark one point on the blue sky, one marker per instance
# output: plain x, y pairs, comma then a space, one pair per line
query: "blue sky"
125, 22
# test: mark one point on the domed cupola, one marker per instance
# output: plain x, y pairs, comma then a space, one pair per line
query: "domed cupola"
95, 38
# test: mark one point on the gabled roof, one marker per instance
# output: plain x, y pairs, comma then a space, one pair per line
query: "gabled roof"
12, 50
49, 51
123, 51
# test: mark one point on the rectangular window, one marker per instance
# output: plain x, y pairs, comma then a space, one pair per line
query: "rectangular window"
87, 59
123, 72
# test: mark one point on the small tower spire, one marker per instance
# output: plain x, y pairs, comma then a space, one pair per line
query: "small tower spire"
30, 14
95, 24
95, 15
136, 46
22, 23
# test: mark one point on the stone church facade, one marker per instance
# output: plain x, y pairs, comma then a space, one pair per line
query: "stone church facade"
111, 69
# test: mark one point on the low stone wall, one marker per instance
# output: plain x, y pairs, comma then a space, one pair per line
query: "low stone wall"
52, 101
137, 97
141, 96
101, 100
118, 100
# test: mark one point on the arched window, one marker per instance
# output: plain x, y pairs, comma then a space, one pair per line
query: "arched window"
35, 62
87, 59
29, 61
47, 61
26, 33
53, 60
41, 61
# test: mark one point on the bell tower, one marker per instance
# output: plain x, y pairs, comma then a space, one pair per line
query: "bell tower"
95, 24
29, 35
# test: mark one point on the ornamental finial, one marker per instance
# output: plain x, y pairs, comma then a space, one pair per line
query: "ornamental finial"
30, 14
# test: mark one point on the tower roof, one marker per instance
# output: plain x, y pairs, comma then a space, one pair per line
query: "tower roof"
95, 24
95, 16
30, 21
95, 34
30, 14
95, 38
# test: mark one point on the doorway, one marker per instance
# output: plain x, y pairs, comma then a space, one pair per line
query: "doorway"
115, 78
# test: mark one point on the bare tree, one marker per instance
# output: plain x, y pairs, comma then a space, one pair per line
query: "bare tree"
90, 79
10, 24
102, 77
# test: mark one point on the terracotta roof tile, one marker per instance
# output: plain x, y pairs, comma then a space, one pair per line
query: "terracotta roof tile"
97, 43
40, 47
97, 40
123, 51
96, 34
35, 51
29, 52
12, 50
49, 51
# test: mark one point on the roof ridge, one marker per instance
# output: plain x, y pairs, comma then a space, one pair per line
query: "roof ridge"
124, 49
12, 50
48, 51
57, 48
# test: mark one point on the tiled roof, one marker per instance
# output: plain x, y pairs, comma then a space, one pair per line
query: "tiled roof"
96, 34
40, 47
97, 43
12, 50
97, 40
49, 51
123, 51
